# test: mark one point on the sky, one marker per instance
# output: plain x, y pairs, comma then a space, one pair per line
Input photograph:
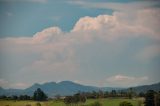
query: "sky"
111, 43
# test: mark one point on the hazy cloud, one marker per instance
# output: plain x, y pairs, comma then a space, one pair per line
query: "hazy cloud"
123, 80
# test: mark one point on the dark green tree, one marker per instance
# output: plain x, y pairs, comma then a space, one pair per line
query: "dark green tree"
141, 94
39, 95
14, 97
157, 99
130, 93
106, 94
113, 93
149, 98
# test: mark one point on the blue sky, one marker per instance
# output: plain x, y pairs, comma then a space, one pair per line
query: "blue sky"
93, 42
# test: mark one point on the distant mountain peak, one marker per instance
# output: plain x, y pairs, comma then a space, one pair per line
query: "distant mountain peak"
69, 88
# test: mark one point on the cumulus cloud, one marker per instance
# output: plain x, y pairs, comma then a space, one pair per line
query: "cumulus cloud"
123, 80
47, 35
53, 51
142, 23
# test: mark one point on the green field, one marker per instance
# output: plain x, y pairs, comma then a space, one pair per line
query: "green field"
105, 102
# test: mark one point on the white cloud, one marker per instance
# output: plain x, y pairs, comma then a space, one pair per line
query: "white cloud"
120, 24
47, 35
123, 80
53, 51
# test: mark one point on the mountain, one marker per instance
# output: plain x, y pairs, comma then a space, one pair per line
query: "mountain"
52, 88
69, 88
145, 88
9, 92
61, 88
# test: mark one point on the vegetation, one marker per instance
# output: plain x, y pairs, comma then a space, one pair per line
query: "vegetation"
89, 102
100, 98
125, 103
152, 98
96, 104
157, 99
39, 95
75, 99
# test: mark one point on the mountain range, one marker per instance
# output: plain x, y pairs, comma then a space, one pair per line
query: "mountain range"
69, 88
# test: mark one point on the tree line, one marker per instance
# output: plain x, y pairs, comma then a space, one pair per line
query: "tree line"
38, 95
152, 98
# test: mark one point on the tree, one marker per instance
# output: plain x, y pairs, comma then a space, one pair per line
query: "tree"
106, 94
100, 94
157, 99
141, 94
3, 97
130, 93
113, 93
149, 99
24, 97
68, 100
82, 98
39, 95
14, 97
75, 99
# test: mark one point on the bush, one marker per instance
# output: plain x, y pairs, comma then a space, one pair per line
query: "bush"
38, 104
96, 104
125, 103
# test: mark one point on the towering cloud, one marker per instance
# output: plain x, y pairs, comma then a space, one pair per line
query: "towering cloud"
52, 53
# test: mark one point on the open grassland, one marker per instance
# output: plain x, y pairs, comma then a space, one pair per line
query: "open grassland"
104, 102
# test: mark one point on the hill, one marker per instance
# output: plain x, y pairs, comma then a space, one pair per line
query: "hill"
68, 88
144, 88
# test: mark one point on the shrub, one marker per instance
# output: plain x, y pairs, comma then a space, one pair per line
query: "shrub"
125, 103
96, 104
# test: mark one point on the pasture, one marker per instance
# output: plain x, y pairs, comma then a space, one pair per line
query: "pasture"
104, 102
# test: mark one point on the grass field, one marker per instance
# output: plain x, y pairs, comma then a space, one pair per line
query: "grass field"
105, 102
